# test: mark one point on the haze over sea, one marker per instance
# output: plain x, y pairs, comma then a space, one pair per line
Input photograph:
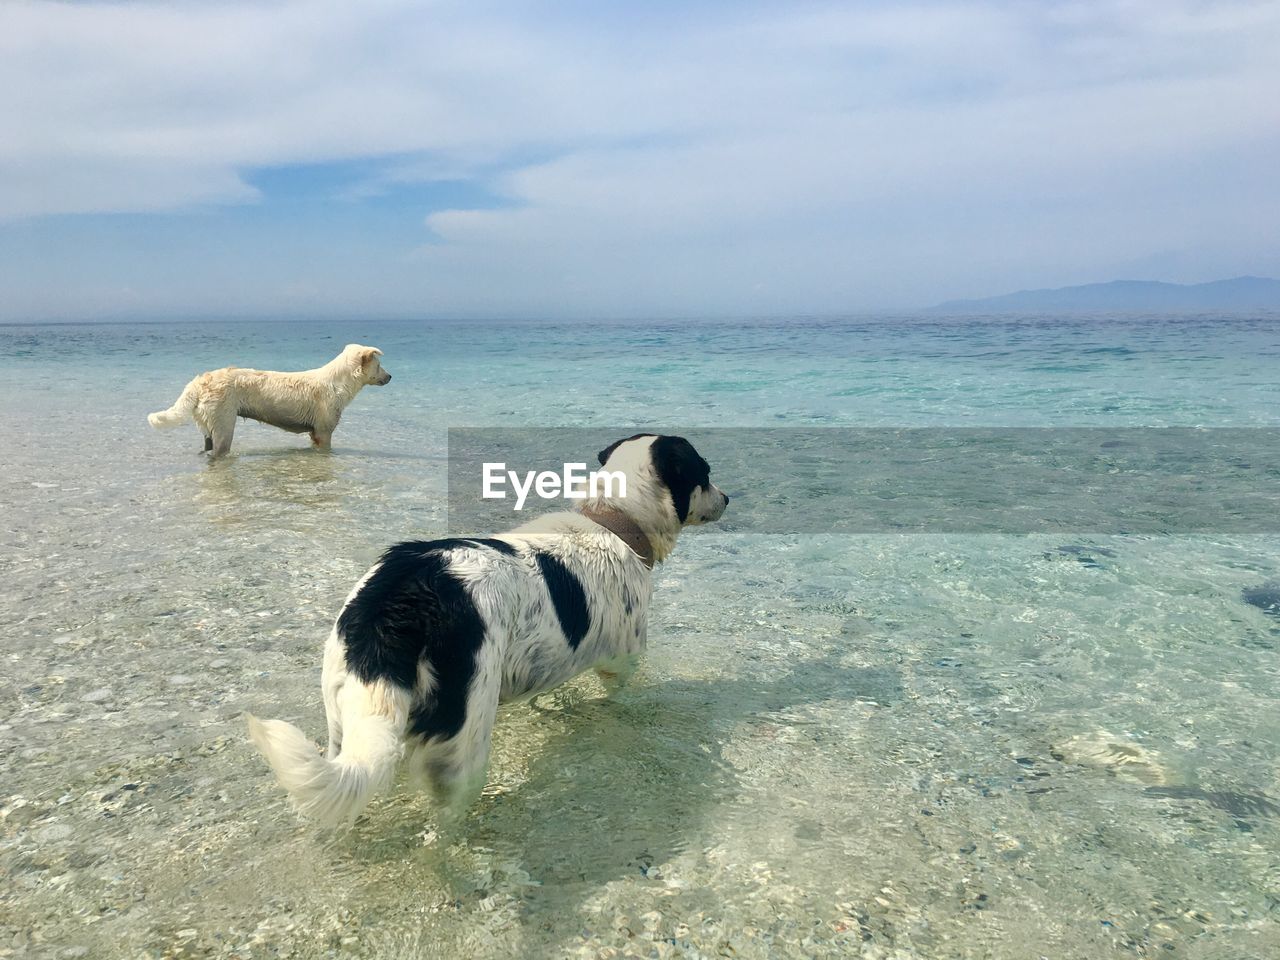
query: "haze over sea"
939, 745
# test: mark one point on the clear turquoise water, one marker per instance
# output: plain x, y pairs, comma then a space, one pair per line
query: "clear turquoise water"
890, 746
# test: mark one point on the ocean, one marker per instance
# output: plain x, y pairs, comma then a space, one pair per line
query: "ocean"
956, 743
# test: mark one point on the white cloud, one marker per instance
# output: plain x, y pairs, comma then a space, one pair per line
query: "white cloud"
821, 151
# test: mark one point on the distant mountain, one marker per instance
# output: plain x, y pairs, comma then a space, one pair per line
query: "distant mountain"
1240, 293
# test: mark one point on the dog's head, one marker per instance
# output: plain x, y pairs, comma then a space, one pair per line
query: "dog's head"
365, 365
668, 483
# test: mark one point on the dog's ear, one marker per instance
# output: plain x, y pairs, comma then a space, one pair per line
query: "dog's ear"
681, 468
357, 357
604, 455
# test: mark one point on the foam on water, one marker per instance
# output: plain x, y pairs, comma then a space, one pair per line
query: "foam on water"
899, 746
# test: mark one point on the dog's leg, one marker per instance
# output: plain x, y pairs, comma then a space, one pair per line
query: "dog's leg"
455, 768
456, 782
205, 428
222, 441
223, 430
617, 673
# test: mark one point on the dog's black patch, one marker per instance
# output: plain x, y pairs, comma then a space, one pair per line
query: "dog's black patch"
681, 468
567, 596
411, 610
604, 455
500, 545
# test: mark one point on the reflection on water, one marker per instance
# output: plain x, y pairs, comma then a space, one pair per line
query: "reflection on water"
268, 486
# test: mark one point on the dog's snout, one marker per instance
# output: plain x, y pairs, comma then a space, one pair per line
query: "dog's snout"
726, 498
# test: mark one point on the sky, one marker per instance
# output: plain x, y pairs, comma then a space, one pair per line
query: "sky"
594, 158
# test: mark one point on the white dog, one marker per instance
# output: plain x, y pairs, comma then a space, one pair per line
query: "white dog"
310, 401
438, 632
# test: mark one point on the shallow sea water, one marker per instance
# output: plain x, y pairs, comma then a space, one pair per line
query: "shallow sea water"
889, 746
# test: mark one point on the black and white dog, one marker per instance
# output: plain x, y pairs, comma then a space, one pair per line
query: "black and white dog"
439, 632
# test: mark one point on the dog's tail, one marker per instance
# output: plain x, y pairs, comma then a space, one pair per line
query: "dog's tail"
334, 791
181, 410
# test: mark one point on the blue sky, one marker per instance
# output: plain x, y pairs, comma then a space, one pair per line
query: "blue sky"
624, 160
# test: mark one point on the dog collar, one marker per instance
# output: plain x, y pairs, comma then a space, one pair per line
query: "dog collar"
625, 529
